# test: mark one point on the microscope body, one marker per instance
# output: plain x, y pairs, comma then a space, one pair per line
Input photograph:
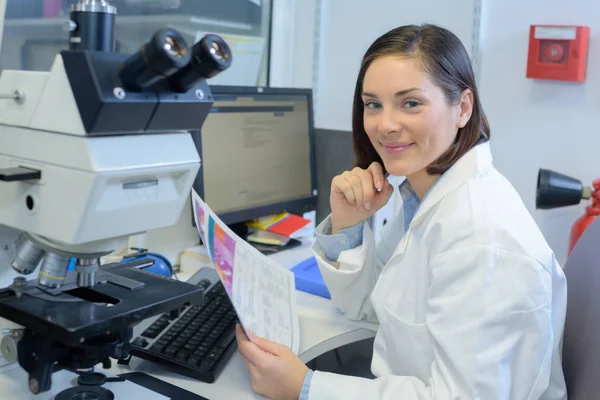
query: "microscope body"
108, 165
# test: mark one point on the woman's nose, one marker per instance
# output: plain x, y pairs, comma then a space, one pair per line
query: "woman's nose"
389, 122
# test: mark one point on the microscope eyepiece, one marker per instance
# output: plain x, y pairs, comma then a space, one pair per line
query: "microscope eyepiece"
163, 55
210, 56
220, 54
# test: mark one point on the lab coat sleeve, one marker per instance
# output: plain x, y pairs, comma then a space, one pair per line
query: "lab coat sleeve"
489, 318
352, 277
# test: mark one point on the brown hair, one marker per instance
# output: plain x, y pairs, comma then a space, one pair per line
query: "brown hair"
445, 59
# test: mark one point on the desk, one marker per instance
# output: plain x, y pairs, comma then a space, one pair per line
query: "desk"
322, 328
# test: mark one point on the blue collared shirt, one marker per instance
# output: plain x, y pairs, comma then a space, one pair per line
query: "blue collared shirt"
350, 238
306, 385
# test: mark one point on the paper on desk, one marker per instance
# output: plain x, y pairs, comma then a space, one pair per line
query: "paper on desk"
262, 292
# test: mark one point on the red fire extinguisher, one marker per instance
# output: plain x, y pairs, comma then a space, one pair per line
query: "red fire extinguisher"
591, 212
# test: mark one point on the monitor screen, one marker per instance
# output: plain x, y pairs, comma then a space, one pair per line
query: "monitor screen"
257, 153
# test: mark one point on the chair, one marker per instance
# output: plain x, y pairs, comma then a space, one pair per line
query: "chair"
581, 342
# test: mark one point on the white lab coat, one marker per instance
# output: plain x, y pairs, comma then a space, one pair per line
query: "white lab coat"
470, 300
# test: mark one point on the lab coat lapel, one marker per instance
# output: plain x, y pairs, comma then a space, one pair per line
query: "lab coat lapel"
475, 160
402, 245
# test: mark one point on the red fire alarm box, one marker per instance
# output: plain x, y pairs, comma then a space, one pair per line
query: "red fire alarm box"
558, 52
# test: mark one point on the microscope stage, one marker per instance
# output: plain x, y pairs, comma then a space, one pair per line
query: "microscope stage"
71, 315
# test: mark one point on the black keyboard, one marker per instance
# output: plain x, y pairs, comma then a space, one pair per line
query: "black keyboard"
196, 341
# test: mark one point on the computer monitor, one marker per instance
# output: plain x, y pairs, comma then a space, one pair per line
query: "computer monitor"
257, 151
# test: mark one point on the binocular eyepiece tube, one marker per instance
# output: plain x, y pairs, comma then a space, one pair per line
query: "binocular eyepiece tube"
167, 57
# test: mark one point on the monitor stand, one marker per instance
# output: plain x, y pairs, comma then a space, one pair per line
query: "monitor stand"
241, 230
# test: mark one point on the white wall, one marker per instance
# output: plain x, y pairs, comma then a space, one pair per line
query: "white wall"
348, 27
535, 124
292, 42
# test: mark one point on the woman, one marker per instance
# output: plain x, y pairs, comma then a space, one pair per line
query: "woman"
469, 297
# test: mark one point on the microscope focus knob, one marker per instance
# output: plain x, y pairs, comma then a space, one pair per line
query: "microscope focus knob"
8, 347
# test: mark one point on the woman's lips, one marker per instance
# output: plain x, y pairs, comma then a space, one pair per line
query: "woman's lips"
396, 148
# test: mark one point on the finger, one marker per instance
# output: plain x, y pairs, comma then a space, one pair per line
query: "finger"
251, 367
249, 350
356, 184
384, 196
336, 183
240, 334
377, 172
242, 339
368, 189
344, 186
269, 346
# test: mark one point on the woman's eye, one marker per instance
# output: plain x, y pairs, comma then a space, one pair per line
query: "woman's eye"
372, 105
411, 104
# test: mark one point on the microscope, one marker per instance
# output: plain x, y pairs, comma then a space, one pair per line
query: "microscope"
91, 152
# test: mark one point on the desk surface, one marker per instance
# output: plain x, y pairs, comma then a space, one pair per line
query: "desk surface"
322, 328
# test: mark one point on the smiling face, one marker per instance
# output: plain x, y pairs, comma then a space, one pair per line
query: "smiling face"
407, 116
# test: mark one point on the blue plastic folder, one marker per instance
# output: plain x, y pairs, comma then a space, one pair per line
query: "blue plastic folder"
309, 278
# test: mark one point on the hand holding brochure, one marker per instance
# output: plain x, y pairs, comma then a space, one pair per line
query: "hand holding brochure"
261, 291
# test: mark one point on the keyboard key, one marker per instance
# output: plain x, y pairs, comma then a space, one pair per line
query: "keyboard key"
218, 351
170, 351
213, 355
164, 318
174, 314
193, 360
140, 341
205, 330
167, 336
161, 323
157, 347
223, 324
182, 355
202, 349
197, 336
199, 353
226, 338
150, 333
206, 364
189, 346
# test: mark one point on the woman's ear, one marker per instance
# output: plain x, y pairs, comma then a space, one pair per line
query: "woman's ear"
465, 108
